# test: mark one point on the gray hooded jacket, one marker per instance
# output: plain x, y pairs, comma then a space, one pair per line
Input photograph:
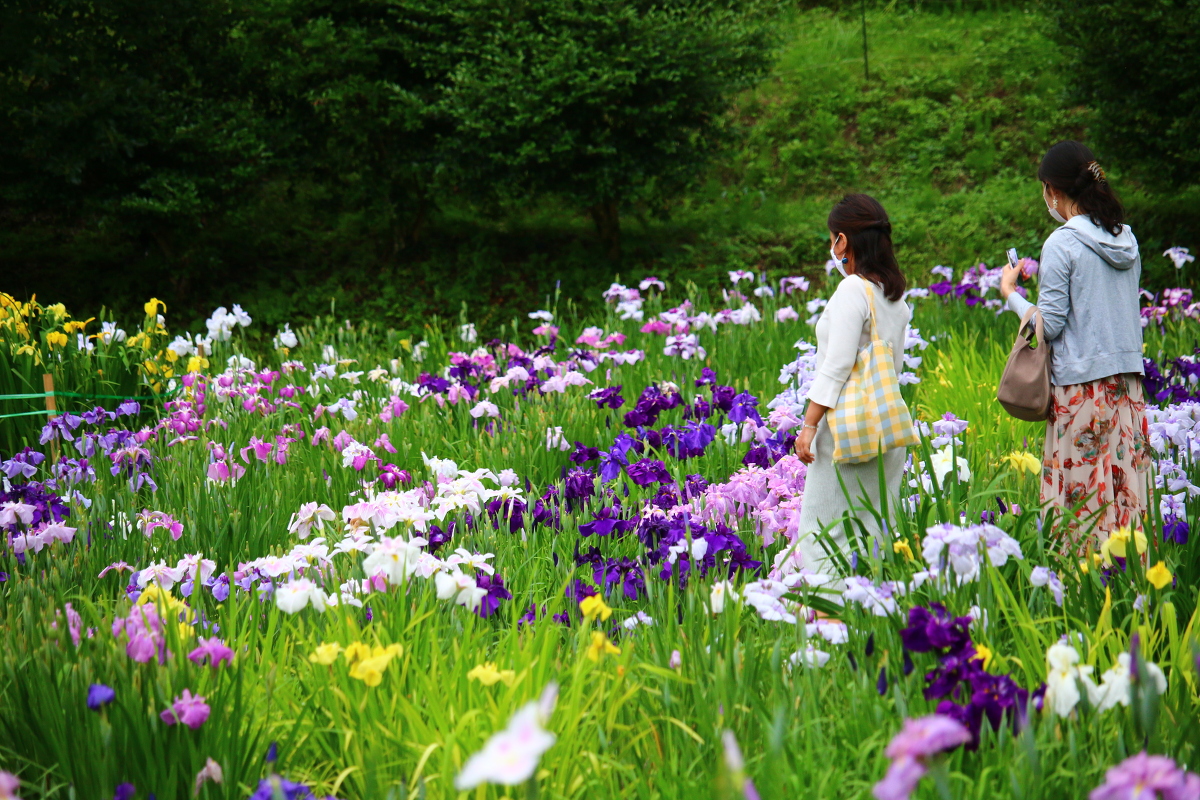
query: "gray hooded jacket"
1088, 287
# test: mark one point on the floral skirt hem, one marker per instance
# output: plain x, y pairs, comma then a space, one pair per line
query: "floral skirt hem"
1097, 454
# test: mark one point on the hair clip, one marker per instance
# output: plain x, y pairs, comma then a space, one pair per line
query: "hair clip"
1097, 171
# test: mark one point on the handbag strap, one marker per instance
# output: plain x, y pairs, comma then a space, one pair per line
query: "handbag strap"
871, 305
1037, 325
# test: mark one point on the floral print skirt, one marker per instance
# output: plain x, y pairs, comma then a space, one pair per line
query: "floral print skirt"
1098, 455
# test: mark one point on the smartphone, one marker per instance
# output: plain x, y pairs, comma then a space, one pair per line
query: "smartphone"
1012, 257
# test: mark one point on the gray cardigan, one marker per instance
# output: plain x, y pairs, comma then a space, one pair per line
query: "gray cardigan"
1088, 286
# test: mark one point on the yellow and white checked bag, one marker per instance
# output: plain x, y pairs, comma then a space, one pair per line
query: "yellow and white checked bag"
871, 416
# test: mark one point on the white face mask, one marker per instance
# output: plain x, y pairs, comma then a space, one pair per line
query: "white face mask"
1059, 218
837, 262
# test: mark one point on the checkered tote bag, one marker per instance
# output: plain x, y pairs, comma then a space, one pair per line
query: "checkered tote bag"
871, 416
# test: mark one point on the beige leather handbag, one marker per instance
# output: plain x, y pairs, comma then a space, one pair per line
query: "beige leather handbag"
1024, 389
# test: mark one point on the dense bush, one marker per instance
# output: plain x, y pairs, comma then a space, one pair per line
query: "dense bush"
340, 212
1136, 65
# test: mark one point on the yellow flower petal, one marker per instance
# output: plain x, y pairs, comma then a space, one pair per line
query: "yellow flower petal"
601, 646
595, 606
983, 654
326, 654
1159, 576
355, 652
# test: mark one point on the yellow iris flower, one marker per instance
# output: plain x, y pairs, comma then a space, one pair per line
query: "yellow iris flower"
152, 306
983, 654
326, 654
1022, 461
902, 548
169, 607
355, 652
487, 674
595, 606
601, 646
56, 338
1117, 541
1159, 576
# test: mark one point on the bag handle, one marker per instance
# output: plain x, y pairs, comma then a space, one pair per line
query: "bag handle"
870, 304
1024, 330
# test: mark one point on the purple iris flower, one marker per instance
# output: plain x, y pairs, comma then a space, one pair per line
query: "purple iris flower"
624, 572
48, 507
647, 471
219, 586
934, 628
1175, 529
654, 439
580, 484
583, 455
99, 695
546, 511
130, 408
530, 616
606, 522
723, 397
666, 498
707, 378
701, 409
577, 591
24, 464
743, 407
610, 397
276, 787
510, 512
60, 426
490, 604
98, 415
432, 383
438, 537
125, 791
694, 486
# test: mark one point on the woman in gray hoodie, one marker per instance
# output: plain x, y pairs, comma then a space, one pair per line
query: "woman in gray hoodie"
1097, 453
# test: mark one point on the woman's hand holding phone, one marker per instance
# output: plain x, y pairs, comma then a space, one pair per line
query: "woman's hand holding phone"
1012, 273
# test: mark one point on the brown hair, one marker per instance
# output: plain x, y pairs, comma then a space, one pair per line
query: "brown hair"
1071, 168
869, 236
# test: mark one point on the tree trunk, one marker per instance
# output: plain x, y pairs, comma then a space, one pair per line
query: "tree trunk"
607, 216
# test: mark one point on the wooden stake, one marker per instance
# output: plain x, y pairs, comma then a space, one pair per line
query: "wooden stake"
52, 407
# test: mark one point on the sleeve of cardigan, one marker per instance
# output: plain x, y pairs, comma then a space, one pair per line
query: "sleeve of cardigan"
1054, 287
846, 313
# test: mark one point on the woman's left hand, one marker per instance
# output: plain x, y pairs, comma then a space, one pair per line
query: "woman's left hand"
804, 445
1008, 281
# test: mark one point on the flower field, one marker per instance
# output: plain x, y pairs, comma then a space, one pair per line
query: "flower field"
333, 560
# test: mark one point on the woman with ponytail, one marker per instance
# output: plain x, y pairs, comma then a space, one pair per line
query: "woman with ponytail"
860, 239
1097, 450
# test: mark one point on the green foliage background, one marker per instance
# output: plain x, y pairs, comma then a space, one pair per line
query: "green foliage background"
282, 149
